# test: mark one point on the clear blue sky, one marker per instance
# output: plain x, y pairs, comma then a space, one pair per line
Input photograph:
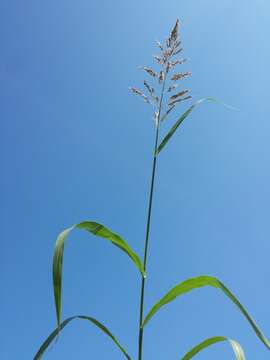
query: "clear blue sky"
76, 145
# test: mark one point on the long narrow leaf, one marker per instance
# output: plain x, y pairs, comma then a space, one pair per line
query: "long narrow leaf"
198, 282
238, 351
181, 119
54, 334
95, 229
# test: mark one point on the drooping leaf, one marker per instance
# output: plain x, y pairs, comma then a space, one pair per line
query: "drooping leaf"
95, 229
181, 119
238, 351
198, 282
54, 334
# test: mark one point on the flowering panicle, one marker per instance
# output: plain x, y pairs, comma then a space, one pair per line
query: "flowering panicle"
167, 61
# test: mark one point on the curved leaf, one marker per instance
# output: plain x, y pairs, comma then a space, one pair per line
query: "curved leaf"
238, 351
202, 281
54, 334
95, 229
181, 119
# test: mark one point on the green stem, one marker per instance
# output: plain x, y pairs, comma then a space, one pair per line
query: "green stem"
149, 221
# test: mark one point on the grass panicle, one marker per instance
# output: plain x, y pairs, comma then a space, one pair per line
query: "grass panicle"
166, 62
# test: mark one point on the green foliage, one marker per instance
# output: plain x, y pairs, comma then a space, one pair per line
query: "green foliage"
198, 282
59, 328
238, 351
95, 229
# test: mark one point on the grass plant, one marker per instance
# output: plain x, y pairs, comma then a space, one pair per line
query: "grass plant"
166, 96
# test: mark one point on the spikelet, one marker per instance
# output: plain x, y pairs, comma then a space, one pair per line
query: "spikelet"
140, 93
172, 87
167, 53
150, 71
174, 32
179, 100
180, 76
181, 93
176, 62
176, 52
151, 92
161, 76
149, 88
173, 36
160, 60
135, 91
176, 44
159, 45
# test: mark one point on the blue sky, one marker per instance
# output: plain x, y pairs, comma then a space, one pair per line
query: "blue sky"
76, 145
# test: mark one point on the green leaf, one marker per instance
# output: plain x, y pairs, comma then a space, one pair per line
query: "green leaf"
198, 282
182, 118
95, 229
238, 351
54, 334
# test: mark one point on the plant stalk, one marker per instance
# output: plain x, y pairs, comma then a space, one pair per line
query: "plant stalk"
140, 345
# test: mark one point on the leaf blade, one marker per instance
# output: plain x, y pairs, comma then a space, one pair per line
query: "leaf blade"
101, 231
94, 321
202, 281
95, 229
167, 137
237, 349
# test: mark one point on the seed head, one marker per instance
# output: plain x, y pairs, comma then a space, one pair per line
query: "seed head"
165, 61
